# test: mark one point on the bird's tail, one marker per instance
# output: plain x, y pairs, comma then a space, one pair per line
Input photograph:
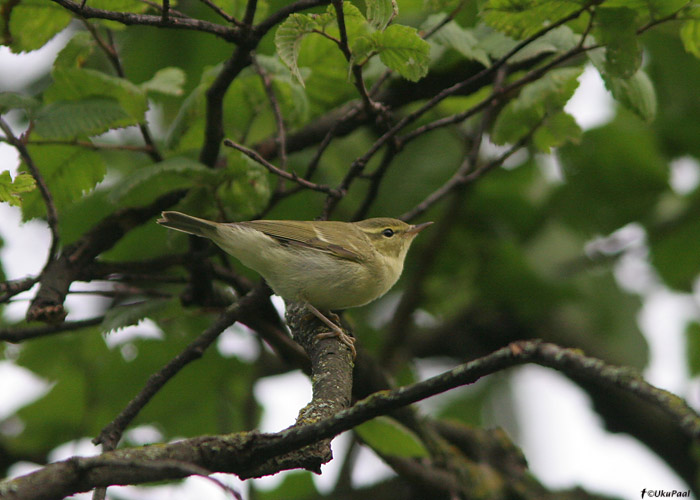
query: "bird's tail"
188, 224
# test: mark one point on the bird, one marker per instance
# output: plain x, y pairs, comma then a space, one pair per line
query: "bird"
325, 265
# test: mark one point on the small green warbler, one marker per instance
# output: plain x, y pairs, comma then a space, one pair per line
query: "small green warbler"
326, 265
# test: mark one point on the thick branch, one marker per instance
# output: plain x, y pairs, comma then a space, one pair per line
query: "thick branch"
56, 279
244, 454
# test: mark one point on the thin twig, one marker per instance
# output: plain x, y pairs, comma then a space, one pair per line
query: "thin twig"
376, 179
232, 34
221, 12
462, 177
370, 106
250, 9
165, 11
15, 336
110, 50
51, 214
290, 176
277, 111
359, 164
111, 434
9, 289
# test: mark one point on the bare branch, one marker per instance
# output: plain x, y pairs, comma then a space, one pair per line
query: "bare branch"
334, 193
51, 214
277, 111
18, 335
129, 18
251, 453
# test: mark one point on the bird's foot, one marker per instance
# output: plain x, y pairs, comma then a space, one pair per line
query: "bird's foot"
336, 331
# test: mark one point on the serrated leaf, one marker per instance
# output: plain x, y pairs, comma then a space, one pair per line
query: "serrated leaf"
10, 190
690, 35
13, 100
296, 27
288, 39
70, 119
401, 49
453, 36
167, 81
523, 18
35, 22
151, 180
68, 171
73, 84
388, 437
539, 100
381, 12
120, 317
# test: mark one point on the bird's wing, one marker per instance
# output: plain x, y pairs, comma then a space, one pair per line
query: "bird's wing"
302, 233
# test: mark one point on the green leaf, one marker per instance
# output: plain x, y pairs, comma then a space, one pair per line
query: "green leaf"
649, 8
288, 39
399, 48
675, 250
120, 317
296, 27
381, 12
453, 36
612, 178
10, 190
635, 92
70, 119
523, 18
539, 100
555, 131
74, 84
690, 35
388, 437
167, 81
68, 171
243, 187
150, 181
692, 339
617, 30
12, 100
35, 22
497, 44
76, 51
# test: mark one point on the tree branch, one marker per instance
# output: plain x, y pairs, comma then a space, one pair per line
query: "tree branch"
111, 434
231, 34
51, 214
248, 454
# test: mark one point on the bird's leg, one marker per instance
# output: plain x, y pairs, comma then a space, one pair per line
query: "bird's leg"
336, 331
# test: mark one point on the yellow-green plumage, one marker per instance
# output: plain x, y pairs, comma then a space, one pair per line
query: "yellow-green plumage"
330, 265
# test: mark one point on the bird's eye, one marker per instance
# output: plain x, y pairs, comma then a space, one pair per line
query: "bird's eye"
388, 232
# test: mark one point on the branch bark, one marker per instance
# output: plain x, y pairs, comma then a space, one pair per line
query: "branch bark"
251, 454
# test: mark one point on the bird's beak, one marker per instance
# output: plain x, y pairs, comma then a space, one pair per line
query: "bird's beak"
418, 228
